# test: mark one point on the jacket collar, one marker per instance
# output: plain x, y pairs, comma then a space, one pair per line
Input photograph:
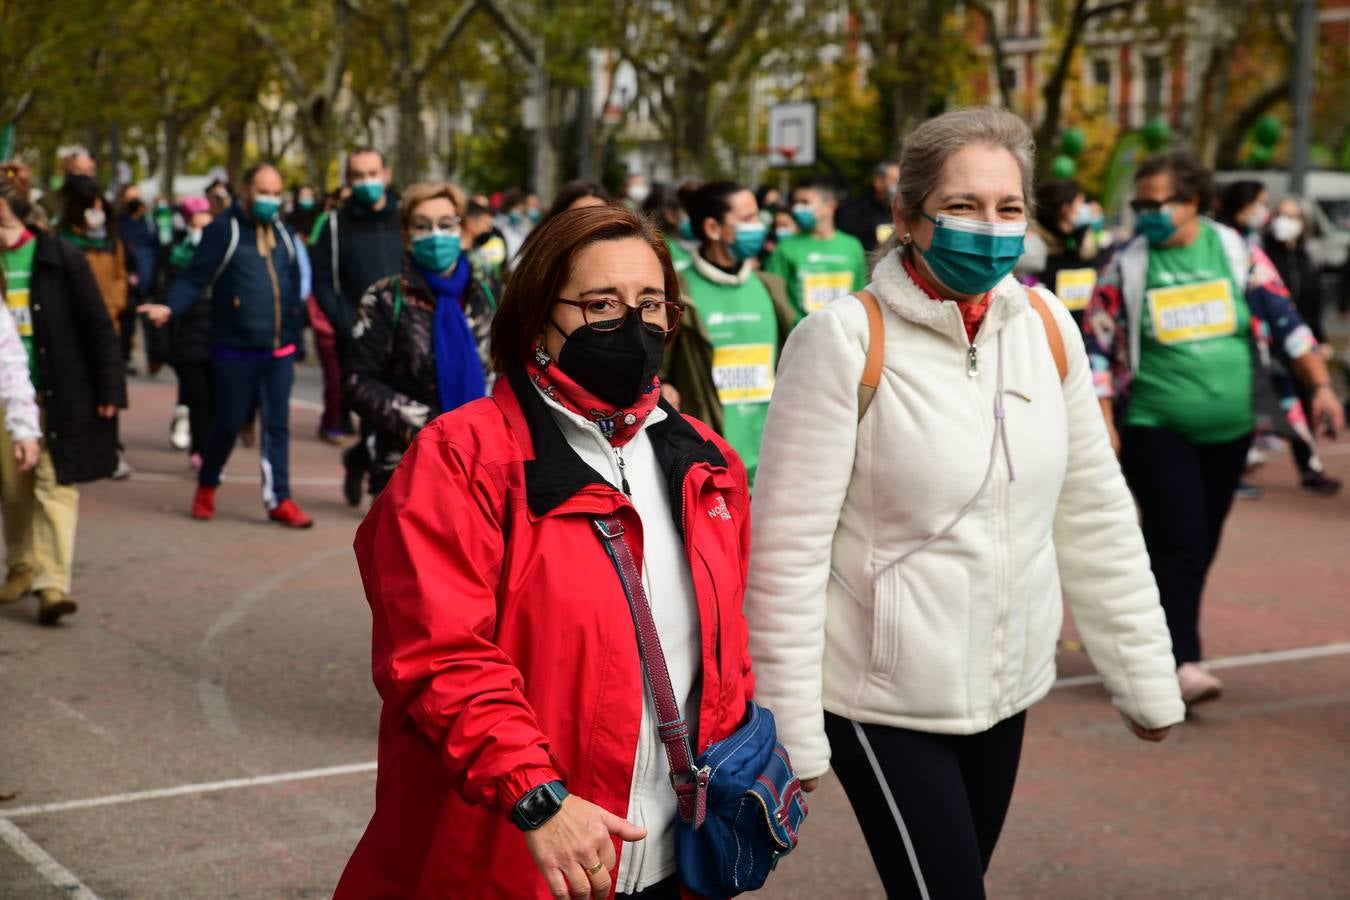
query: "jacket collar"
47, 249
892, 284
357, 211
556, 473
717, 276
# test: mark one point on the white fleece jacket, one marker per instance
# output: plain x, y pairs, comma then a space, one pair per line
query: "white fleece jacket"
962, 634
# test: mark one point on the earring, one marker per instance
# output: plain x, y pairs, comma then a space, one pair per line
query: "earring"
906, 238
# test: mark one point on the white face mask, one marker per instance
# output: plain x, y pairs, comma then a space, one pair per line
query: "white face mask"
1285, 229
1258, 217
95, 218
638, 192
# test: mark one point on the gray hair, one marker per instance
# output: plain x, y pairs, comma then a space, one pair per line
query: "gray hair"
927, 149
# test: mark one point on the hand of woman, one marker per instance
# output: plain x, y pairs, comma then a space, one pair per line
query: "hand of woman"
671, 395
1145, 734
156, 313
569, 847
107, 410
26, 452
1327, 414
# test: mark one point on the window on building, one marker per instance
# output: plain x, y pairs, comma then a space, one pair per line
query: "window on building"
1101, 73
1153, 87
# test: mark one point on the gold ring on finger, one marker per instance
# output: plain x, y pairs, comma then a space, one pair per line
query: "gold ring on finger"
596, 868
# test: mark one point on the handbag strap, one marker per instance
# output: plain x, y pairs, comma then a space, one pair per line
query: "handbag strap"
671, 726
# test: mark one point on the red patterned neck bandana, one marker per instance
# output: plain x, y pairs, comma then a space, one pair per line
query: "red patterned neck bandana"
617, 425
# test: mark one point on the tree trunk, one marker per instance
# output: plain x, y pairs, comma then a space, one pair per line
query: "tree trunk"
408, 154
236, 132
169, 157
1230, 141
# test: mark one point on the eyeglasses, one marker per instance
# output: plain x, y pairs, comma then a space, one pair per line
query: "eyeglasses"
610, 313
1150, 206
448, 225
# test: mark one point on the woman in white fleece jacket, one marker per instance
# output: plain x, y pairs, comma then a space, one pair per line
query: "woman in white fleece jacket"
907, 664
17, 398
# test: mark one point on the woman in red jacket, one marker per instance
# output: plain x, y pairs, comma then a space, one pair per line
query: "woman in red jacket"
518, 750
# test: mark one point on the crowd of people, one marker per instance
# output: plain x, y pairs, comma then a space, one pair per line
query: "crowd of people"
589, 393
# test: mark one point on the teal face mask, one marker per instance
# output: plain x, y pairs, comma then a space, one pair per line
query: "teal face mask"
265, 209
534, 215
1156, 225
749, 240
368, 193
805, 217
970, 256
307, 203
784, 233
436, 252
686, 229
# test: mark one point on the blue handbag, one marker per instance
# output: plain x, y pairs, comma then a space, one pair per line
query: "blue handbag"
740, 805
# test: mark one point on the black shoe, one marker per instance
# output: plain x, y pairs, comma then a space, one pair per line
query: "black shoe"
353, 478
1320, 484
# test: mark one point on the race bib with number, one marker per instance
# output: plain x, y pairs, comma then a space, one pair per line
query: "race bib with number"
743, 373
820, 288
1074, 287
1193, 312
17, 301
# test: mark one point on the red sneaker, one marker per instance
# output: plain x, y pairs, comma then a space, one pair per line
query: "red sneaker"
204, 503
290, 515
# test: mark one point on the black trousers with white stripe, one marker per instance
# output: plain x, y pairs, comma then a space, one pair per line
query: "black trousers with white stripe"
931, 806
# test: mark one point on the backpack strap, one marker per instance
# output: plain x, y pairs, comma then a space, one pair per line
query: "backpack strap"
229, 254
876, 352
1052, 333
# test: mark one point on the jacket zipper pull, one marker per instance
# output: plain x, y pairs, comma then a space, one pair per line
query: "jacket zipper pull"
623, 477
973, 361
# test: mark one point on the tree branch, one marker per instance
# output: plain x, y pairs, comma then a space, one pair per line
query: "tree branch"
453, 26
996, 47
518, 36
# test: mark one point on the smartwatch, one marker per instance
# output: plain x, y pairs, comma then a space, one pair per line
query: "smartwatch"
538, 806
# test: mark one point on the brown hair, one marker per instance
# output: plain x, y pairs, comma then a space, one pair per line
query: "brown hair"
1190, 179
417, 194
545, 265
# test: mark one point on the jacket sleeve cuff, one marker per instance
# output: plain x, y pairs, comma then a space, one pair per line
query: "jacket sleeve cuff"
514, 785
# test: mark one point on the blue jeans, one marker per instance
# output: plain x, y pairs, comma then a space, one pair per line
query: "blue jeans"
240, 378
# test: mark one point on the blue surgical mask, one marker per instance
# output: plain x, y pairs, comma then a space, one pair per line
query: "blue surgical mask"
1156, 225
265, 209
368, 192
534, 215
971, 256
686, 229
306, 203
784, 233
436, 252
1084, 217
749, 240
804, 216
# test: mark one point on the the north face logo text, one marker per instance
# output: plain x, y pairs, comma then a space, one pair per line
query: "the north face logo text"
719, 510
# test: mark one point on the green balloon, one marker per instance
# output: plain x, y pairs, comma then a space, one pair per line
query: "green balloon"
1268, 131
1157, 133
1063, 167
1260, 154
1072, 142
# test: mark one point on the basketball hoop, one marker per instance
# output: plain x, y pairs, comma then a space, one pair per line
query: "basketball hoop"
788, 153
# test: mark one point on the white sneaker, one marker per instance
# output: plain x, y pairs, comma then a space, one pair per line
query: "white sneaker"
180, 432
123, 470
1198, 684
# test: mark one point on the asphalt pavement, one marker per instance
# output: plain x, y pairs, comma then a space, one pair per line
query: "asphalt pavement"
205, 725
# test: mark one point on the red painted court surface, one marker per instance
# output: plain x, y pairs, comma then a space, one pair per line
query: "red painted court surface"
204, 727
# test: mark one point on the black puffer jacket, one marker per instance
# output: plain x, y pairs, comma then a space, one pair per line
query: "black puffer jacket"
80, 360
392, 364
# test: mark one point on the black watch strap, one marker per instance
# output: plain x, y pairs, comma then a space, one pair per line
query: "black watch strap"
539, 805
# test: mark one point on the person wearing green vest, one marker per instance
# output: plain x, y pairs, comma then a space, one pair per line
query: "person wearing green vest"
820, 263
720, 367
663, 207
1170, 334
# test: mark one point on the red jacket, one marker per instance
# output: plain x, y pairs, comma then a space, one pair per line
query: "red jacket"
504, 648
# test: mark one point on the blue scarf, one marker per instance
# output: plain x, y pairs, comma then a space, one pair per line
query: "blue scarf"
459, 373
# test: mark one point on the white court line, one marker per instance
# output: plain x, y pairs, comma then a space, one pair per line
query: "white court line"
186, 790
64, 880
1236, 662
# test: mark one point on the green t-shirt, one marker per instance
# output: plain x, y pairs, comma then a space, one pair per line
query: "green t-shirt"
817, 270
743, 330
680, 258
18, 265
1195, 363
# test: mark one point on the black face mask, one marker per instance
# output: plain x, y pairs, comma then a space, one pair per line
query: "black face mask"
613, 365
